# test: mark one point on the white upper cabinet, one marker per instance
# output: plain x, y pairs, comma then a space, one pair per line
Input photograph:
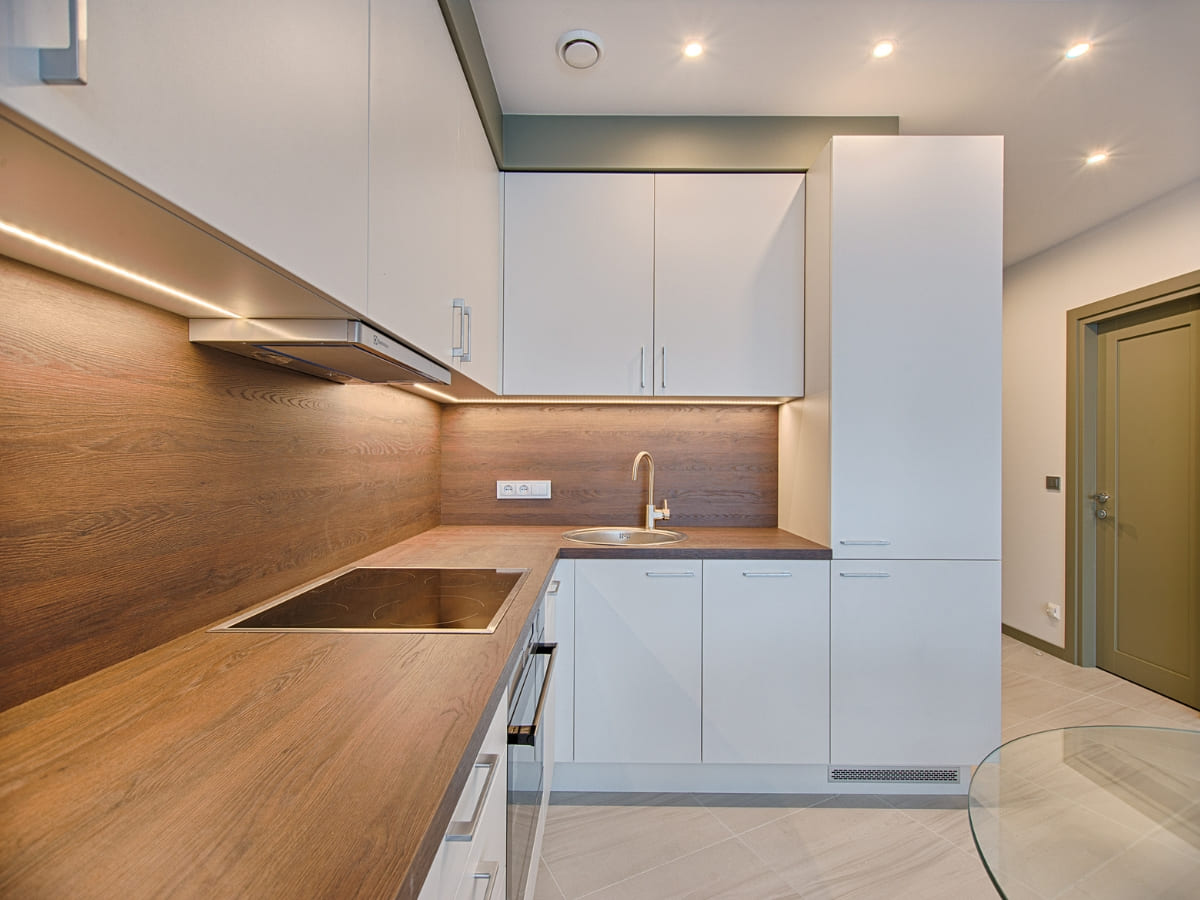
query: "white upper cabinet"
478, 244
435, 194
908, 291
578, 283
667, 285
728, 285
250, 116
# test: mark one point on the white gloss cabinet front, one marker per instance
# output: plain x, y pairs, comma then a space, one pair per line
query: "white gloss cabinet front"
915, 662
766, 661
250, 116
637, 661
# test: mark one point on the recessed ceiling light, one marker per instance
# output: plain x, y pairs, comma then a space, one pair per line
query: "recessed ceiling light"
883, 48
1078, 50
1096, 158
693, 49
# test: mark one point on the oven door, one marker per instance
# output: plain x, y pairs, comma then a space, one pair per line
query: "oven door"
527, 775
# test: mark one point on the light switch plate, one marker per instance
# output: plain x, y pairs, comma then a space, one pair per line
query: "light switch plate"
522, 490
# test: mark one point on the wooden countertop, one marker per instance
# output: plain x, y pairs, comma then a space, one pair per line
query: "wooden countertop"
280, 765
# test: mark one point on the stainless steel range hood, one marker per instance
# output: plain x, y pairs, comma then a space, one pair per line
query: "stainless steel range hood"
342, 350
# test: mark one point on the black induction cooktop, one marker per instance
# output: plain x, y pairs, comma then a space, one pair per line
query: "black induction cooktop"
392, 600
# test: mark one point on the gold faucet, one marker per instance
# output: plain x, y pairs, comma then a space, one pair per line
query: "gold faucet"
652, 514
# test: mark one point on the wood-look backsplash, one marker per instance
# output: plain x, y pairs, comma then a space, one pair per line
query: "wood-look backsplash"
151, 487
716, 465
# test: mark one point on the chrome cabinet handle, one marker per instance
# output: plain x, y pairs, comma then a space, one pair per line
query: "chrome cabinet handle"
552, 589
526, 735
490, 871
643, 367
664, 368
462, 349
766, 574
465, 831
67, 65
670, 574
865, 574
877, 542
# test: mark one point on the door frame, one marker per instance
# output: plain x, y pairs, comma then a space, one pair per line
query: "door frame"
1083, 323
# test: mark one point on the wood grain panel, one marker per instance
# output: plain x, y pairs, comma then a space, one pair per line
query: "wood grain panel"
717, 465
151, 487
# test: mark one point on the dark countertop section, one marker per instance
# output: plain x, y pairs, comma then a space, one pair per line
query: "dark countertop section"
281, 765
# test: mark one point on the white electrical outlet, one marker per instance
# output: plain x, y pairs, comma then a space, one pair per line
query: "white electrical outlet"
1054, 611
522, 490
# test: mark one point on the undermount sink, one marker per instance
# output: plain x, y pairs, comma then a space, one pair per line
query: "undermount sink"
624, 537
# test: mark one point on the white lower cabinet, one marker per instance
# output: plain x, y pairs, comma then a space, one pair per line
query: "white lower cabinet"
766, 661
471, 860
637, 661
560, 628
915, 662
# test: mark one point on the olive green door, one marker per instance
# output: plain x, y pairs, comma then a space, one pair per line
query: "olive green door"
1147, 505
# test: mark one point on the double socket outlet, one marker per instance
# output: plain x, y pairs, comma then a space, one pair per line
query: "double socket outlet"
522, 490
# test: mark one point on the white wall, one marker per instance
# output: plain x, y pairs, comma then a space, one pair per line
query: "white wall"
1151, 243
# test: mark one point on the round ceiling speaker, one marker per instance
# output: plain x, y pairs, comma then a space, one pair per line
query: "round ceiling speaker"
580, 49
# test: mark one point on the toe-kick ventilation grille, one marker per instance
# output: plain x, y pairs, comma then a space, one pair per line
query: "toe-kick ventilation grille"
892, 773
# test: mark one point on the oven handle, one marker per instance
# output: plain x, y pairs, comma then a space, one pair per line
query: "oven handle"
526, 735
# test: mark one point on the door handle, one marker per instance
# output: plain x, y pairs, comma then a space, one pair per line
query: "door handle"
1101, 497
664, 368
670, 574
491, 872
465, 831
526, 735
865, 574
766, 574
643, 367
462, 349
877, 542
67, 65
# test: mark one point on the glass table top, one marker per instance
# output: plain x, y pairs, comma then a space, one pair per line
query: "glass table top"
1091, 813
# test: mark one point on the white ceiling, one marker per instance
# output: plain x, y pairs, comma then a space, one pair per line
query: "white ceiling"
961, 67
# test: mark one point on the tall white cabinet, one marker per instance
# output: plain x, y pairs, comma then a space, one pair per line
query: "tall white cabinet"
893, 457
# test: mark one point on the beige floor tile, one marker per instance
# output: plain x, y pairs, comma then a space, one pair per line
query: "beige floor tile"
1026, 697
724, 871
952, 825
1136, 697
546, 888
590, 847
847, 852
741, 812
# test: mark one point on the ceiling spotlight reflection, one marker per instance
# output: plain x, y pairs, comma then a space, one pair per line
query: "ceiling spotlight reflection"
883, 49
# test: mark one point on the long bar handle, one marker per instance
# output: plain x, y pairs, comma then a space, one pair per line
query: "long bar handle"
865, 574
643, 367
664, 368
462, 349
670, 574
465, 831
67, 65
875, 542
526, 735
766, 574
